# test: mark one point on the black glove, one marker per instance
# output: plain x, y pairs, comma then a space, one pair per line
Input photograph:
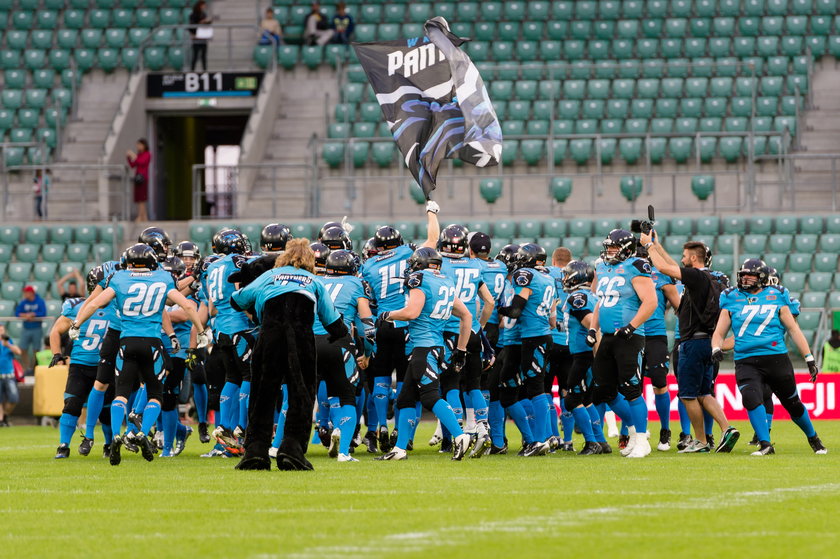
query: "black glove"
591, 337
337, 330
717, 355
626, 332
459, 359
383, 317
57, 359
812, 367
370, 330
192, 359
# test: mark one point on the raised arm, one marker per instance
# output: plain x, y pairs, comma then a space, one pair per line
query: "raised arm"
432, 225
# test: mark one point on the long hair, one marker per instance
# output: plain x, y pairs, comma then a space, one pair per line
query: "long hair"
297, 254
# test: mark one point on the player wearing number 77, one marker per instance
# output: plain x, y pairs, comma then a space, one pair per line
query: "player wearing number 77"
141, 291
759, 315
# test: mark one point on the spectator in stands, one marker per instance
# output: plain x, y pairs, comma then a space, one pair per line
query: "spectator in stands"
831, 353
40, 188
199, 16
270, 32
342, 25
140, 163
44, 357
316, 27
32, 309
72, 290
8, 384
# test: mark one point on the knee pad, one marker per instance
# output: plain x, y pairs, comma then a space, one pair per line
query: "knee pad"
73, 406
198, 375
213, 400
572, 400
794, 406
768, 405
534, 386
752, 397
169, 401
603, 394
630, 391
508, 396
429, 397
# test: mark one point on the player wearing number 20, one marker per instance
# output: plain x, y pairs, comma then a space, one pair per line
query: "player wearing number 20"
627, 299
759, 315
141, 291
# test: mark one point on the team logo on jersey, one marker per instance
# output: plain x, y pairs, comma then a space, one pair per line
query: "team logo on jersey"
578, 301
414, 281
522, 280
752, 299
771, 297
646, 268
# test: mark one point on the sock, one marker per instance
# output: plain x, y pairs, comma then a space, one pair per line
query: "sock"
323, 414
119, 410
94, 407
624, 431
804, 423
769, 420
447, 417
622, 410
381, 388
568, 421
496, 416
170, 426
200, 398
528, 406
685, 422
479, 405
597, 423
638, 407
281, 426
418, 413
396, 409
66, 426
758, 420
469, 413
140, 400
454, 399
107, 433
131, 398
371, 415
584, 423
553, 419
226, 404
361, 399
541, 416
520, 418
663, 409
244, 394
345, 421
708, 422
406, 426
150, 416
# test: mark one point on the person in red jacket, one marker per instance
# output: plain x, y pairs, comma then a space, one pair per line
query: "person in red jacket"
140, 163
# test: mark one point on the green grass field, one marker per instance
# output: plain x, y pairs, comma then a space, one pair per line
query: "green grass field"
499, 506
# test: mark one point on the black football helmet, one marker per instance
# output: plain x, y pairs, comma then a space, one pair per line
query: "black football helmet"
370, 249
94, 276
754, 267
772, 276
321, 251
707, 258
140, 256
423, 258
231, 241
576, 274
202, 265
387, 238
336, 238
507, 255
326, 226
453, 241
530, 255
341, 263
274, 237
158, 239
187, 249
174, 266
723, 279
624, 241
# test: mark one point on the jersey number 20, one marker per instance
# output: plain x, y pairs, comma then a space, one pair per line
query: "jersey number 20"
147, 300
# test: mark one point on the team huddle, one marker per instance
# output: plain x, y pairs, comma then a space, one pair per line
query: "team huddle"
371, 339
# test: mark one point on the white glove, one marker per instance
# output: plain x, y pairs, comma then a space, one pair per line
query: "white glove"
432, 206
176, 345
203, 339
347, 227
73, 332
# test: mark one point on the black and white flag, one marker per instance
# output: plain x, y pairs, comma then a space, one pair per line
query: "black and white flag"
434, 101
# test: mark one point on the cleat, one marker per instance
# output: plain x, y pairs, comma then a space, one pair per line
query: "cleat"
727, 440
446, 445
167, 454
498, 449
696, 447
254, 463
605, 448
764, 448
85, 446
395, 454
226, 438
181, 442
157, 439
136, 419
537, 449
106, 450
462, 444
239, 433
623, 440
272, 452
335, 438
345, 458
664, 440
203, 435
590, 448
63, 451
129, 444
371, 442
554, 443
384, 439
685, 440
114, 455
436, 439
632, 439
754, 441
147, 448
481, 446
567, 447
357, 440
711, 440
410, 445
324, 436
393, 439
641, 448
816, 445
217, 450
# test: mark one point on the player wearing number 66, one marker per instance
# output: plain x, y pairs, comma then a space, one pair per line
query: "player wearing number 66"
141, 291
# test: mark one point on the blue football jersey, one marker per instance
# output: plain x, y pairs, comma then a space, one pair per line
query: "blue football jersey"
141, 297
680, 289
577, 305
534, 320
218, 290
618, 300
494, 276
85, 350
385, 273
287, 279
467, 275
655, 325
795, 305
509, 332
756, 323
559, 335
345, 292
182, 332
108, 269
427, 329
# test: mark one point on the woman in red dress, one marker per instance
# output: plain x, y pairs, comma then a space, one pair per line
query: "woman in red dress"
140, 163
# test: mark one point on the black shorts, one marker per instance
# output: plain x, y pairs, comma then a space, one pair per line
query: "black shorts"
492, 333
559, 362
470, 375
336, 366
422, 380
656, 360
108, 356
510, 375
534, 357
755, 374
140, 360
236, 351
390, 352
617, 368
579, 380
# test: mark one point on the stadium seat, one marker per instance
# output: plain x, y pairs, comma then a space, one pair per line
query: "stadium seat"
824, 262
575, 244
830, 242
52, 252
26, 252
736, 225
802, 262
490, 189
820, 281
19, 271
813, 299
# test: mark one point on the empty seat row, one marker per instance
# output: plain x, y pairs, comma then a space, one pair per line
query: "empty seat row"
23, 20
63, 234
76, 252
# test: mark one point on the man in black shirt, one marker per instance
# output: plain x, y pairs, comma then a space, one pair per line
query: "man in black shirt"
697, 322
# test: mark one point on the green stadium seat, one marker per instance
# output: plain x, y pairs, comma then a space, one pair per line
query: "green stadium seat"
102, 252
36, 234
726, 244
11, 291
122, 19
685, 126
674, 244
12, 98
26, 252
754, 243
19, 271
813, 299
810, 320
45, 271
680, 149
820, 281
556, 228
28, 118
825, 262
666, 108
802, 262
805, 242
830, 242
78, 251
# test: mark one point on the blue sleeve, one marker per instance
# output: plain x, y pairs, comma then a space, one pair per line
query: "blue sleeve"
42, 308
639, 268
244, 297
326, 309
724, 301
19, 308
67, 309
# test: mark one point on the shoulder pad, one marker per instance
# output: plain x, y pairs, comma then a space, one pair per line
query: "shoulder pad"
730, 290
578, 299
238, 260
414, 280
523, 277
779, 288
642, 265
